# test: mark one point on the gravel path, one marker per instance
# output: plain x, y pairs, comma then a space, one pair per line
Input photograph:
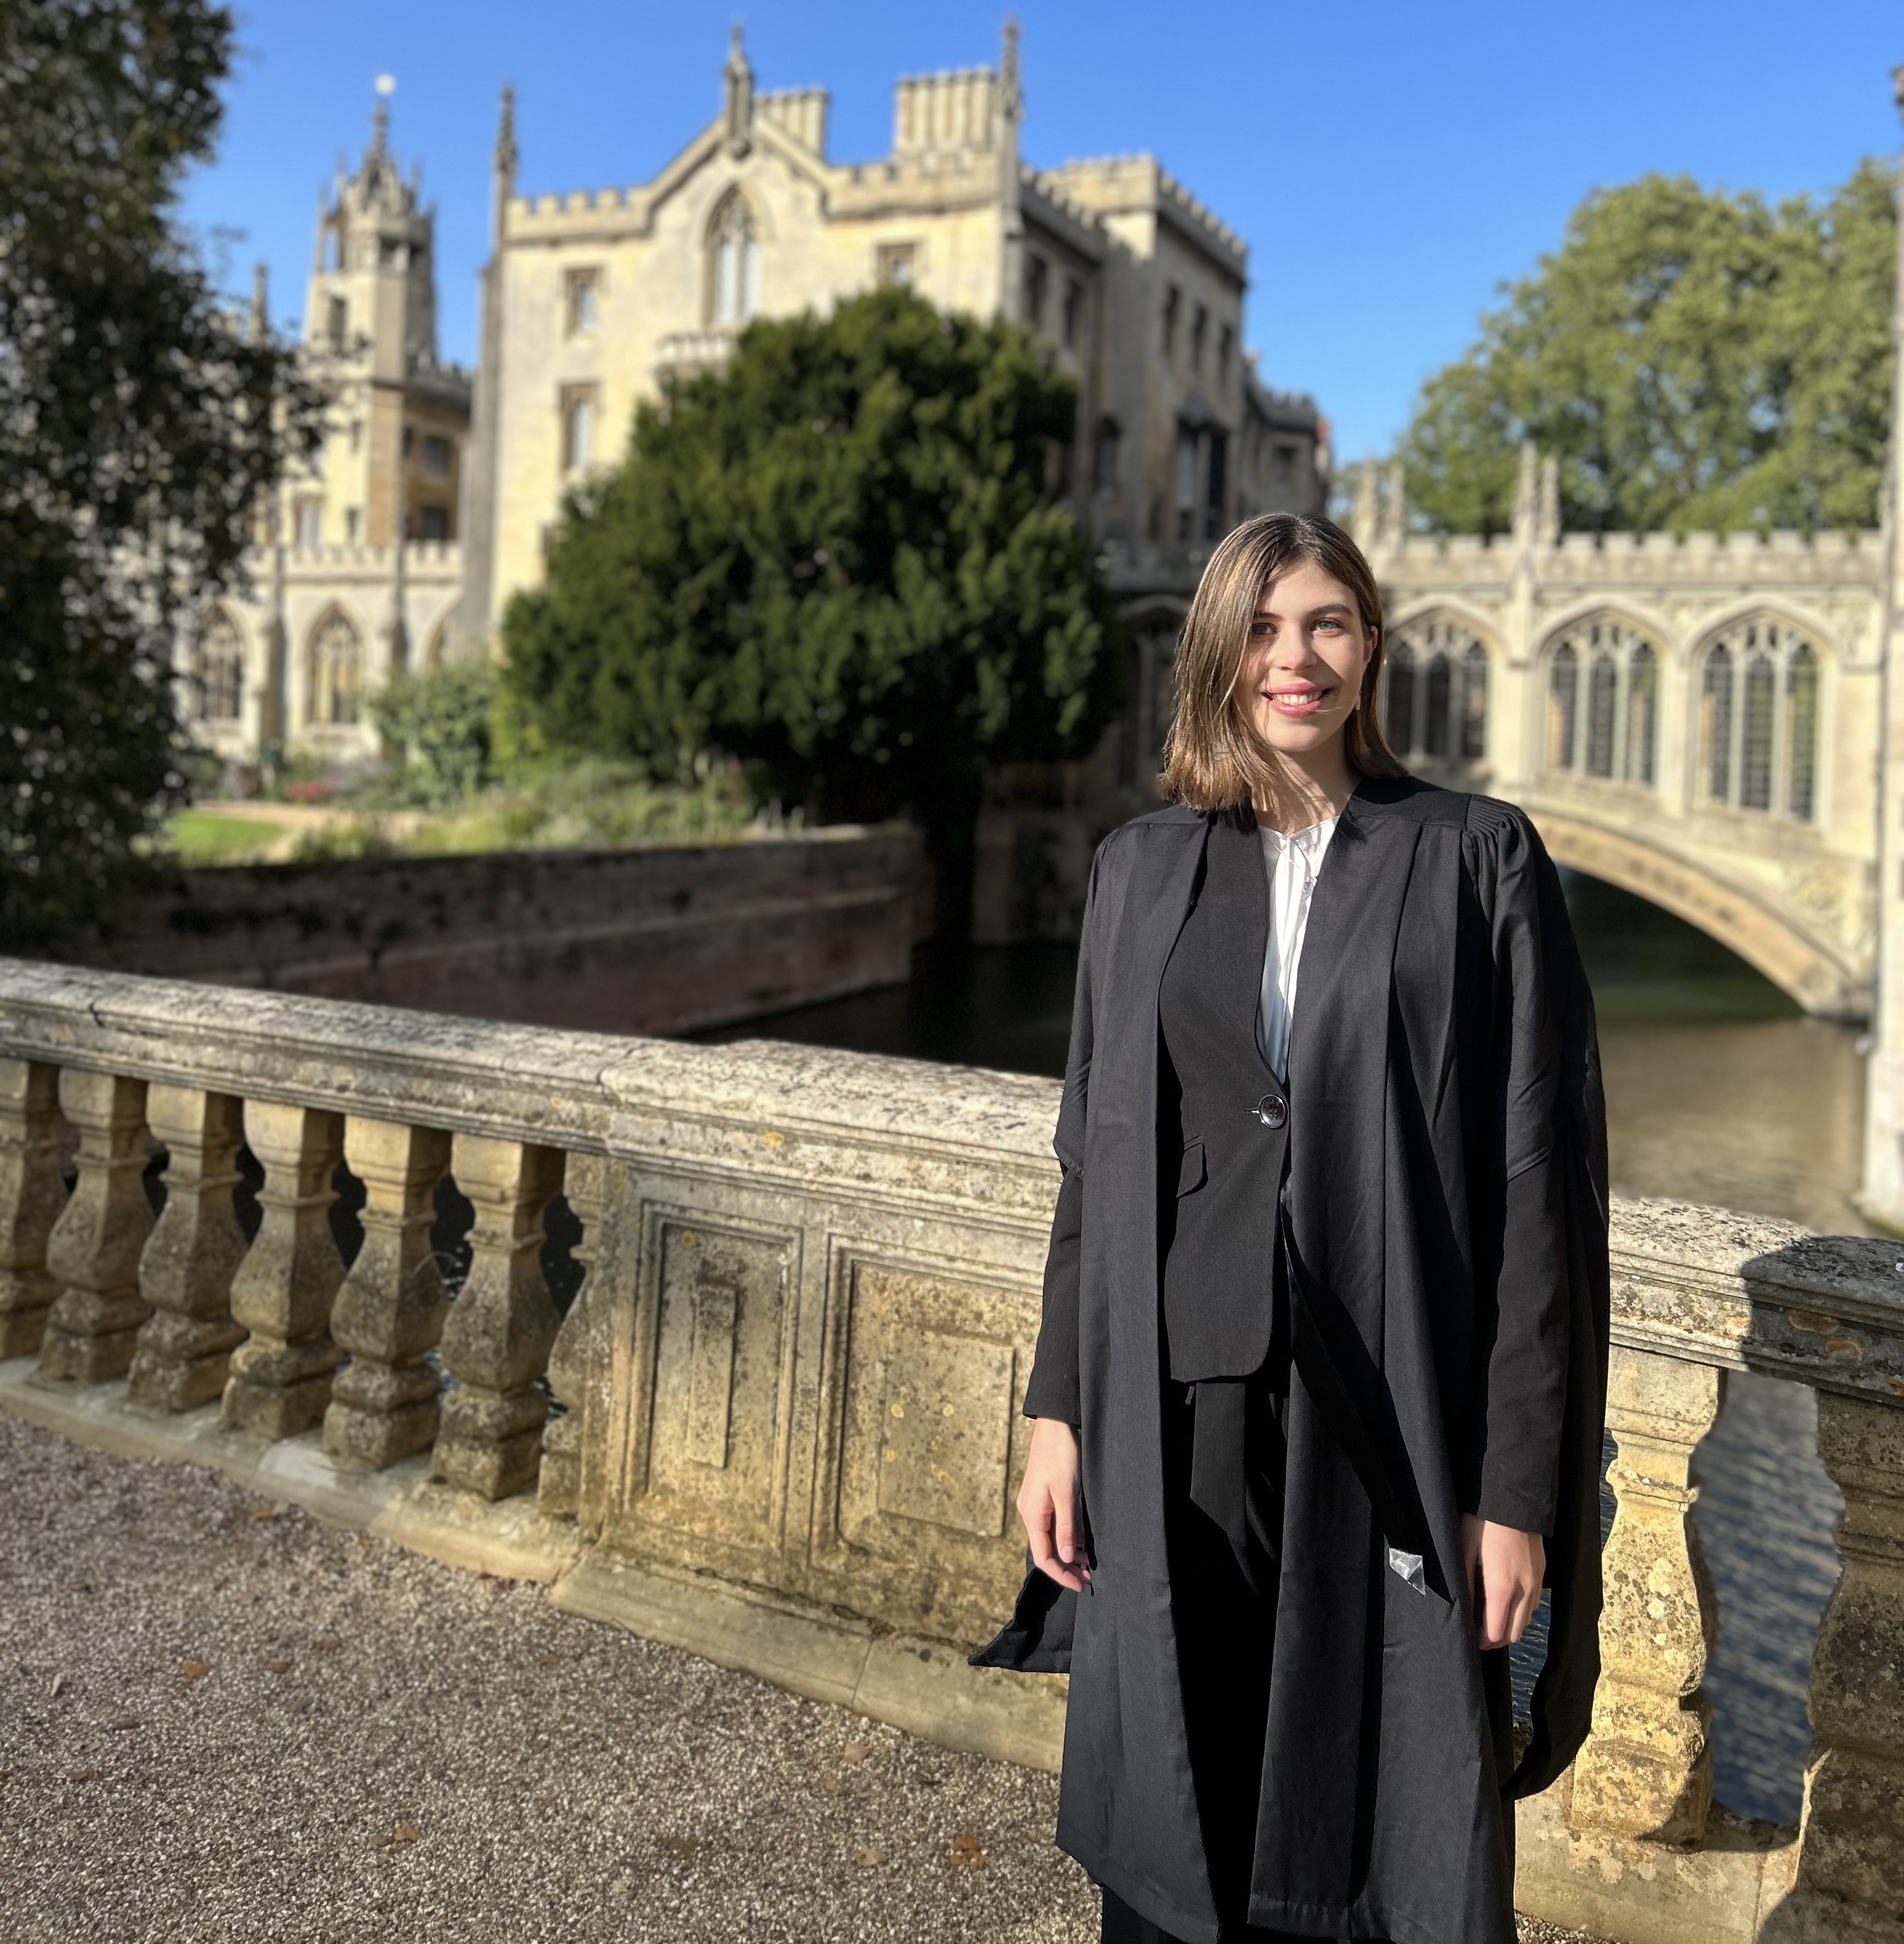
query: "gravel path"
220, 1720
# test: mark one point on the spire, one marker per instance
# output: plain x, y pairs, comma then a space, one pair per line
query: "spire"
1011, 92
505, 155
260, 304
386, 86
738, 92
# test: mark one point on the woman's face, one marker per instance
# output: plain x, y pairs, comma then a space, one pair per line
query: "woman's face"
1302, 670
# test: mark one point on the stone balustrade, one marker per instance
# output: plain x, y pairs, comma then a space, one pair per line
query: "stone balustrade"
779, 1421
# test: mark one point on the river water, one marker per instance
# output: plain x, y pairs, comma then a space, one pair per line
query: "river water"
1718, 1090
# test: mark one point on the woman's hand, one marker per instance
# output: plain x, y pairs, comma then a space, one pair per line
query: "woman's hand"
1504, 1567
1048, 1503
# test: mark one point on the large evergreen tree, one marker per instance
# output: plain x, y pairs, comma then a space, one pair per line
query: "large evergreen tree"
1695, 358
843, 558
137, 431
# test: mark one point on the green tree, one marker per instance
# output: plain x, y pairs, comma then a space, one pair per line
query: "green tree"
440, 718
137, 430
1696, 360
843, 559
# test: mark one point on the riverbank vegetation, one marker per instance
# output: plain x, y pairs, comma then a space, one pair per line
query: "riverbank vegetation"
1695, 359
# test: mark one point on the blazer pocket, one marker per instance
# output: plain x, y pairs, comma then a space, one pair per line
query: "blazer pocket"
1190, 1173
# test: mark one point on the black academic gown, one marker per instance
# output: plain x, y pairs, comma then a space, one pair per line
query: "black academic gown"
1445, 1220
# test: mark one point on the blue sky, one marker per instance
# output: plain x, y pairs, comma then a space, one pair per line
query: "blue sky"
1390, 165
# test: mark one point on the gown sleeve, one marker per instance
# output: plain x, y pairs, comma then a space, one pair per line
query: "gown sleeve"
1522, 1345
1053, 1390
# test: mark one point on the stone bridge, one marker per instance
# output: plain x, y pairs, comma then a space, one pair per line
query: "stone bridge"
786, 1396
1697, 720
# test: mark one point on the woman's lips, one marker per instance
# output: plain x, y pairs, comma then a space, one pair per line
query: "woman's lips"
1296, 701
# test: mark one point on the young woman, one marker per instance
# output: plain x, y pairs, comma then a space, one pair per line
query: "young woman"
1321, 1375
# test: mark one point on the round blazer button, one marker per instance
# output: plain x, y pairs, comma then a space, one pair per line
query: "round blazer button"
1272, 1110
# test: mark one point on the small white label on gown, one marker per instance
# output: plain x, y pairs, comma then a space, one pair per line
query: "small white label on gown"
1407, 1567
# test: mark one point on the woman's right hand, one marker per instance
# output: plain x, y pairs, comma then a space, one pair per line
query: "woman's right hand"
1048, 1503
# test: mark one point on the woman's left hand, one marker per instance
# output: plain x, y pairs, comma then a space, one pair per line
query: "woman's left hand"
1504, 1567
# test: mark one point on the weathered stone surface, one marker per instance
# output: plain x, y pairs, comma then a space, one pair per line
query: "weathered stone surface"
578, 1366
502, 1325
389, 1311
1850, 1876
1646, 1769
183, 1355
546, 937
280, 1377
93, 1252
32, 1195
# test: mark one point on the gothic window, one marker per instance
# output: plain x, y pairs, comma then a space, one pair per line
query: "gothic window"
1036, 276
1199, 330
582, 289
1217, 483
578, 407
1109, 432
1434, 686
1187, 482
898, 262
1074, 311
337, 322
218, 670
735, 263
336, 670
1172, 298
1602, 708
1759, 719
436, 458
1225, 338
307, 517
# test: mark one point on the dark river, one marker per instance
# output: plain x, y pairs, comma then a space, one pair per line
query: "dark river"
1718, 1090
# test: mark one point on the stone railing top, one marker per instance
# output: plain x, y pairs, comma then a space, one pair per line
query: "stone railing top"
1696, 1282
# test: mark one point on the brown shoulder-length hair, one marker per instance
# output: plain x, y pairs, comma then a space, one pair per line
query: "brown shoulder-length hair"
1213, 758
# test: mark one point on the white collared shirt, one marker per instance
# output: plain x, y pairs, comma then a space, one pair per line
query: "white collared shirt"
1293, 861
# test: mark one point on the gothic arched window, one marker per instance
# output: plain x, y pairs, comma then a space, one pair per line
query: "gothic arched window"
1759, 719
1611, 731
735, 293
336, 662
218, 670
1435, 693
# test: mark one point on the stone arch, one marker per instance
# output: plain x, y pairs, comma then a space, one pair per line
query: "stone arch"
333, 670
216, 668
1812, 969
732, 248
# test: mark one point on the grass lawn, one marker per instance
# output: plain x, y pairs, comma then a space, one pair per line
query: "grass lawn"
199, 837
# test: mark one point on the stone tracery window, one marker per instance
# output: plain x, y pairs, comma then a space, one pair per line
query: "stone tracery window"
1758, 719
337, 668
735, 262
1603, 712
1435, 693
218, 670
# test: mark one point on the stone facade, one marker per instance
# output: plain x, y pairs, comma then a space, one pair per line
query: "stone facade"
358, 573
1136, 289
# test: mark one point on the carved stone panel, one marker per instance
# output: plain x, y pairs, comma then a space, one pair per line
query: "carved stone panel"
723, 1297
930, 1369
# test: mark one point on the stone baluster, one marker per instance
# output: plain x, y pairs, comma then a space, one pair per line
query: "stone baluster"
1850, 1883
33, 1192
497, 1336
1647, 1768
280, 1377
575, 1369
184, 1354
389, 1312
93, 1251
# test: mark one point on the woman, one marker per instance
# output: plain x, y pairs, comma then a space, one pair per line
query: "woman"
1321, 1378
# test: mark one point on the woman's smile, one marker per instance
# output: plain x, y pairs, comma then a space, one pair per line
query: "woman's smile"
1297, 698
